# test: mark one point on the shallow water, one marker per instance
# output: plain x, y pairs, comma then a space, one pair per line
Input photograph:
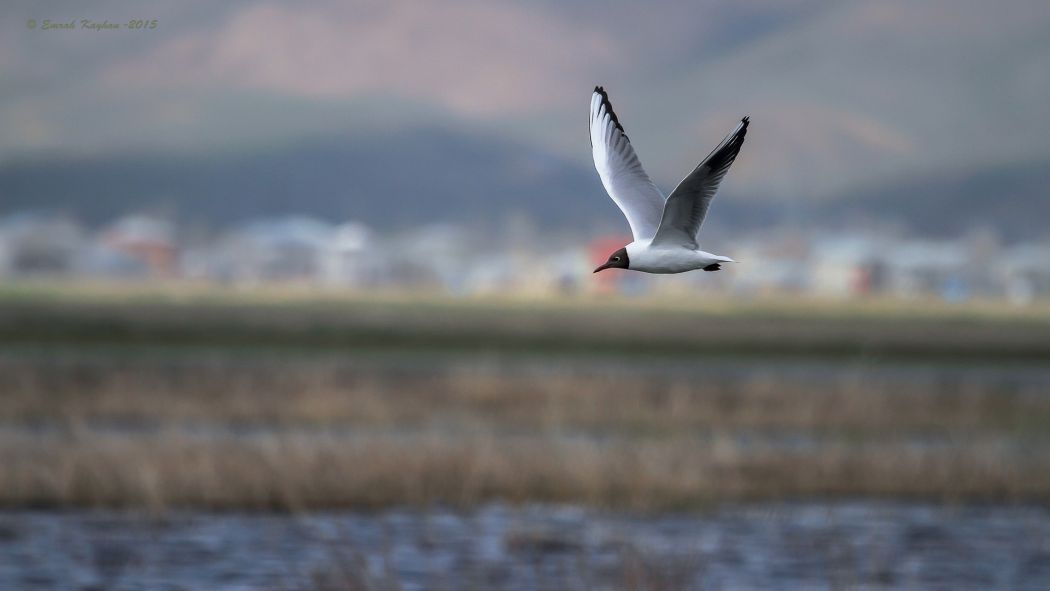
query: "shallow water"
767, 546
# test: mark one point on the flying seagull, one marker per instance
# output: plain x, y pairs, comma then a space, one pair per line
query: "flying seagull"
664, 229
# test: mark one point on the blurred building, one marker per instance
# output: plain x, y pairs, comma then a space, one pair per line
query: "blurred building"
923, 267
612, 280
772, 262
40, 244
279, 249
445, 257
137, 244
846, 266
348, 259
1027, 273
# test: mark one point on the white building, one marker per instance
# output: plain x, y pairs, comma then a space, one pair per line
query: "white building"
349, 259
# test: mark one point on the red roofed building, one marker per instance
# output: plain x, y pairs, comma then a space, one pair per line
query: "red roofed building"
598, 251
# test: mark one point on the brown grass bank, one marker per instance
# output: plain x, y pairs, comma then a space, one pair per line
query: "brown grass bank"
293, 472
297, 433
302, 392
301, 405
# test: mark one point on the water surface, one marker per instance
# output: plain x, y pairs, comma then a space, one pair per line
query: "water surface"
763, 546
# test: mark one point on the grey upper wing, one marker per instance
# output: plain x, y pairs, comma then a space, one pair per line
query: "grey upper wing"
620, 170
687, 205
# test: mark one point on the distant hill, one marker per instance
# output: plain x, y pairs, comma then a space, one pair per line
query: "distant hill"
1014, 200
840, 93
433, 175
408, 177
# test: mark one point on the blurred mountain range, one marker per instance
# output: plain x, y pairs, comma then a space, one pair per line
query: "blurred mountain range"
409, 177
930, 112
433, 175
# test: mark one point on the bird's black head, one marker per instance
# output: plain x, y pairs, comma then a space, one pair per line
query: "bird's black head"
617, 260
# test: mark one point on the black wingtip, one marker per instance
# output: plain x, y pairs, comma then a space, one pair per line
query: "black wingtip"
608, 108
742, 132
725, 152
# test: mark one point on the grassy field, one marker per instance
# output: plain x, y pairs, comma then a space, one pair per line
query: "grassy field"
207, 400
293, 319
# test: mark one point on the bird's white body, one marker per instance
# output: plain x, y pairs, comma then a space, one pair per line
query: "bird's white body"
646, 257
665, 229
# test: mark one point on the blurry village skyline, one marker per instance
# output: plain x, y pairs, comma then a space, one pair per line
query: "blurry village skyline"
898, 148
438, 258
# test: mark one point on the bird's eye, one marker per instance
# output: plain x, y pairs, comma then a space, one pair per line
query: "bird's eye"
617, 259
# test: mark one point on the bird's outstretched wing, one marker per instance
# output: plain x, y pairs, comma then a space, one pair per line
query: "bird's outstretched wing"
620, 170
687, 205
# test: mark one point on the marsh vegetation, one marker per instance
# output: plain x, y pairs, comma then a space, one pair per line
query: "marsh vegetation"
316, 405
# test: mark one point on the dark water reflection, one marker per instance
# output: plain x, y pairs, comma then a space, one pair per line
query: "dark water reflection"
764, 546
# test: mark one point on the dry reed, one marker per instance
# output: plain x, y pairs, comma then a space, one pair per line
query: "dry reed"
281, 408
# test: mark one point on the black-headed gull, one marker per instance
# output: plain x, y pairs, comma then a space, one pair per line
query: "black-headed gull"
664, 229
